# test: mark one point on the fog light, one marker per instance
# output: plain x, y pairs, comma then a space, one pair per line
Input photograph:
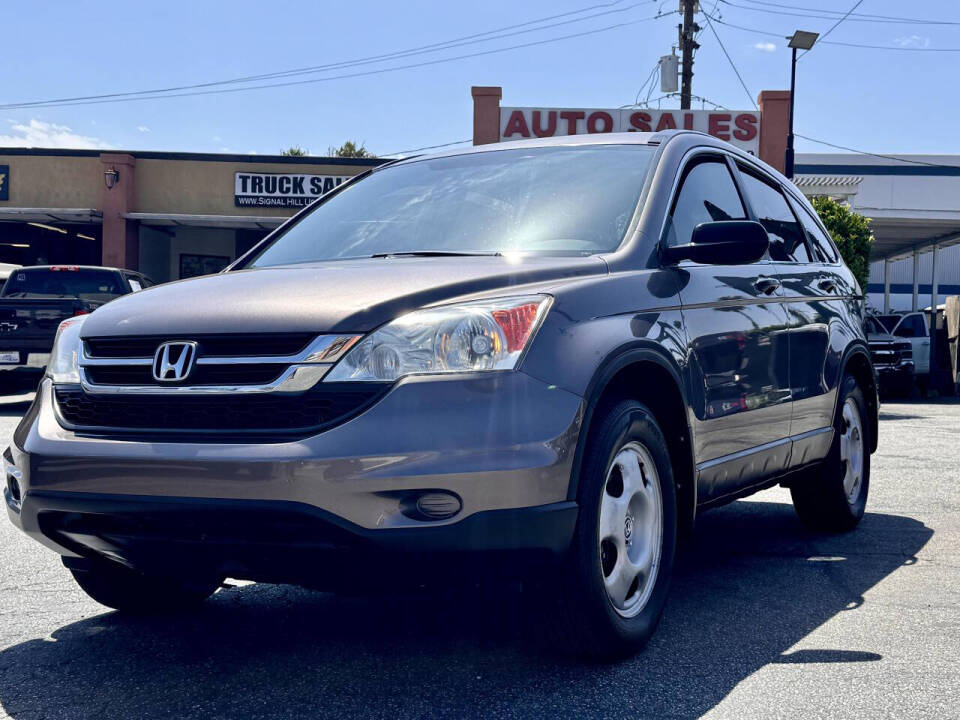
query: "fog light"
432, 505
14, 488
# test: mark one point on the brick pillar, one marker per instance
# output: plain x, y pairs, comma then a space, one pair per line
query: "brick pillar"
121, 238
486, 114
774, 125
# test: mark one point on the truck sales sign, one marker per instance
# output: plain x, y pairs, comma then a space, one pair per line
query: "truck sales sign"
742, 128
281, 190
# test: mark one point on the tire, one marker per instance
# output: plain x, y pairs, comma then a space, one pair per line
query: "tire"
627, 454
123, 589
833, 496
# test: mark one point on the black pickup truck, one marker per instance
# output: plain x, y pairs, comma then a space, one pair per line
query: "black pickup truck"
35, 300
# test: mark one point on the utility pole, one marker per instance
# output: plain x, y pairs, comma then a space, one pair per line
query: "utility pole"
687, 46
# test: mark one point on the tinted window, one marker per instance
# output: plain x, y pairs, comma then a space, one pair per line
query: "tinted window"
889, 321
872, 327
562, 200
786, 236
910, 326
708, 193
817, 239
67, 281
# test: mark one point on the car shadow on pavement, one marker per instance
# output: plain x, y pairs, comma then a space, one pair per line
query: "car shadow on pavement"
751, 585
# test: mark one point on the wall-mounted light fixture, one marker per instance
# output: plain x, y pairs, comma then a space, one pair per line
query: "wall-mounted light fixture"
111, 177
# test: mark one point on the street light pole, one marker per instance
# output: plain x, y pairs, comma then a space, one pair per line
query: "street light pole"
801, 40
788, 161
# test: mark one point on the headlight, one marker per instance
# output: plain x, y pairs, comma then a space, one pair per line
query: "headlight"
62, 367
469, 337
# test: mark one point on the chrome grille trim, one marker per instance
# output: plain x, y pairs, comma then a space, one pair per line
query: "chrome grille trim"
303, 371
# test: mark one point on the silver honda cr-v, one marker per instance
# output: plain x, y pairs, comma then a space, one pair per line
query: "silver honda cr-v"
547, 354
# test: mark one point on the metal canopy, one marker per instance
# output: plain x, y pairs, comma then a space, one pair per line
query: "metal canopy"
213, 221
50, 215
897, 233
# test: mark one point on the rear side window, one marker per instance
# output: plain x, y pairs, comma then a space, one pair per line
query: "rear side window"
911, 326
787, 242
707, 194
817, 239
62, 281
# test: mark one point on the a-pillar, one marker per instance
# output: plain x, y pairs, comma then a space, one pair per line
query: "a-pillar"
486, 114
121, 240
774, 108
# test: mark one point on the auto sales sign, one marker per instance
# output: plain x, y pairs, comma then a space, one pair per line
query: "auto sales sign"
739, 127
281, 189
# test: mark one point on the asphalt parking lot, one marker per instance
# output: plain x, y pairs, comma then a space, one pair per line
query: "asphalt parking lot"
765, 621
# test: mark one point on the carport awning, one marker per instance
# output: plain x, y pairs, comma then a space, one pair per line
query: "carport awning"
50, 215
897, 232
261, 222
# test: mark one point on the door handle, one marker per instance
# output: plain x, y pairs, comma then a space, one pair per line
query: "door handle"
827, 285
767, 285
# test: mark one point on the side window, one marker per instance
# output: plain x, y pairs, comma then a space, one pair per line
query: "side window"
817, 238
911, 326
787, 242
708, 193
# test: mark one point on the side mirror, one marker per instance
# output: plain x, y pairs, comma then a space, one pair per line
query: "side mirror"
723, 242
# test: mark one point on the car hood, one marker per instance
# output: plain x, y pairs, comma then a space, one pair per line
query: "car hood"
337, 296
885, 338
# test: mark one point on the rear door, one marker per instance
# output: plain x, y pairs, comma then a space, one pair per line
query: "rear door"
806, 295
736, 343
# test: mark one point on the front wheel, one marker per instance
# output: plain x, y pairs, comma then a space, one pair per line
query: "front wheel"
833, 496
123, 589
619, 567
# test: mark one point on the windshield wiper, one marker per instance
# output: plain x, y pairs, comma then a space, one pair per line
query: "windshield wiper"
436, 253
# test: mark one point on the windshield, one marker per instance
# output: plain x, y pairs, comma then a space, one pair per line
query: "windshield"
872, 327
562, 200
68, 281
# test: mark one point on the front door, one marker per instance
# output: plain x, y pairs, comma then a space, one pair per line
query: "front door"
736, 326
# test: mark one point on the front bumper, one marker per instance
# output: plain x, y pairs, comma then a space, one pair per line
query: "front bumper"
503, 444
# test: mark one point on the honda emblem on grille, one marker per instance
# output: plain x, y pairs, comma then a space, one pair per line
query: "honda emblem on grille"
174, 361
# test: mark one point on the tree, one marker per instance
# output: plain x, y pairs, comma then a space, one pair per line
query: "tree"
350, 150
295, 151
851, 233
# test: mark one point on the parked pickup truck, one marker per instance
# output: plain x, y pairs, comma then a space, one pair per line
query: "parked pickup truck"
915, 328
35, 300
892, 357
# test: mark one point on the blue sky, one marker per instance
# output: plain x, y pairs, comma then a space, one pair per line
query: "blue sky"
877, 100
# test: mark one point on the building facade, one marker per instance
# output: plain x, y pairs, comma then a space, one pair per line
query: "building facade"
169, 215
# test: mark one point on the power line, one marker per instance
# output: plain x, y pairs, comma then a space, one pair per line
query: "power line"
833, 27
730, 60
486, 36
823, 14
343, 76
782, 36
876, 155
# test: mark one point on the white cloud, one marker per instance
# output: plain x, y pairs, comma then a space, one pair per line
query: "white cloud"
913, 41
38, 133
143, 128
217, 138
765, 46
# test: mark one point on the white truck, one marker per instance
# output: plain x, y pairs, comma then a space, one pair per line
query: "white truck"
915, 327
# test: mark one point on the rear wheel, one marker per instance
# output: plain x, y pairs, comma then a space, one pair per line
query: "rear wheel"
618, 571
833, 496
123, 589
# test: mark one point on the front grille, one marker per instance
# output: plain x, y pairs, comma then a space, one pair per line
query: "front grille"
890, 354
202, 375
264, 415
276, 344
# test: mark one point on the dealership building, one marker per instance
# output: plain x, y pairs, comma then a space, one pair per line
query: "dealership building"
169, 215
176, 215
